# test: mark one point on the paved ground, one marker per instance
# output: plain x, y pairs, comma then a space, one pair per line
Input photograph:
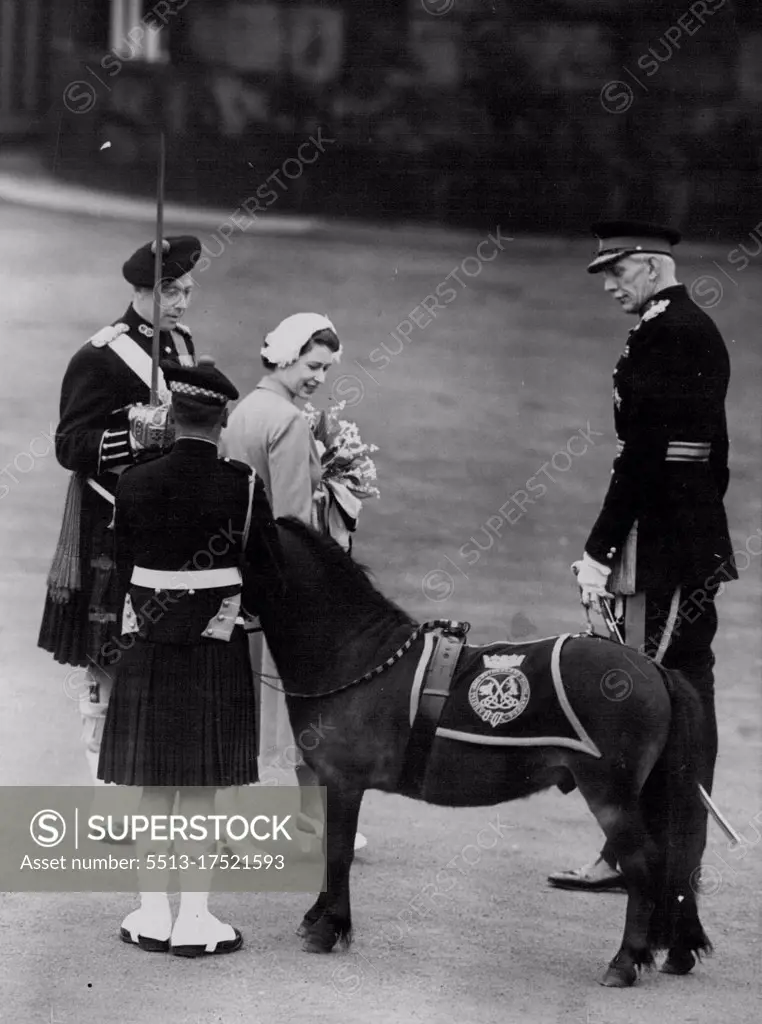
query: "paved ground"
516, 362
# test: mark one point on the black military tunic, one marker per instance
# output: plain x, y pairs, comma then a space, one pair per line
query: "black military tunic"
671, 472
92, 441
182, 710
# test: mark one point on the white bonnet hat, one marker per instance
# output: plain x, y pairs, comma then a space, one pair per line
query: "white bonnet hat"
283, 344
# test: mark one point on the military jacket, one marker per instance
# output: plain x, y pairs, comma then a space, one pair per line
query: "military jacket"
187, 510
92, 439
98, 387
671, 470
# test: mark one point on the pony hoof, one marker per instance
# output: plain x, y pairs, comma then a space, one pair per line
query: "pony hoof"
306, 926
678, 963
617, 976
312, 944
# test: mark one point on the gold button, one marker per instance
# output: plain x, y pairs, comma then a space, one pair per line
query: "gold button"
191, 591
221, 618
207, 632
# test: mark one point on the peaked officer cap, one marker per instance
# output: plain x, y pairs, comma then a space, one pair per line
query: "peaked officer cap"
180, 255
619, 238
203, 383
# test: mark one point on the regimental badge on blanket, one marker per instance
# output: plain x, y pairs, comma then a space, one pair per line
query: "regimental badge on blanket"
512, 694
501, 693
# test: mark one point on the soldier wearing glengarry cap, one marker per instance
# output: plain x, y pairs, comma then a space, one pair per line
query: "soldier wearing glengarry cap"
660, 543
182, 714
105, 425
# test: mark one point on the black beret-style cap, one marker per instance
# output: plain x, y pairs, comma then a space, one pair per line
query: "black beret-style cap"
203, 383
619, 238
179, 256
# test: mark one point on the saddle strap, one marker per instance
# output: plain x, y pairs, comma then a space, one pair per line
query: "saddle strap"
434, 693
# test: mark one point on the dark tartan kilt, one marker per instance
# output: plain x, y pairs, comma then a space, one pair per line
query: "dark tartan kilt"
75, 632
182, 715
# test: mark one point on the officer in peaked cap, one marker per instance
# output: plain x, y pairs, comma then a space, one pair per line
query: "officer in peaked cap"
620, 238
182, 714
660, 544
105, 425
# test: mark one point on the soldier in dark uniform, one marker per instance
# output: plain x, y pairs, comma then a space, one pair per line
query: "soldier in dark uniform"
106, 425
661, 542
182, 711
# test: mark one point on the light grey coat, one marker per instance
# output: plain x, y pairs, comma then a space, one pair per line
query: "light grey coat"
268, 431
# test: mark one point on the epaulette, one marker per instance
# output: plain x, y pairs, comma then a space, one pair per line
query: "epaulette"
242, 467
183, 329
107, 334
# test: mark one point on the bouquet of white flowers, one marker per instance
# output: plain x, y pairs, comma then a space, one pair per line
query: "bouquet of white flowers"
348, 472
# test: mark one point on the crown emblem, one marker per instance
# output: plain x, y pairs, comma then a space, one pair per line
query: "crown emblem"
502, 662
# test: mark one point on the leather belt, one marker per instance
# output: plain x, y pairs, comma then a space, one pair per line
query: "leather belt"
185, 579
434, 693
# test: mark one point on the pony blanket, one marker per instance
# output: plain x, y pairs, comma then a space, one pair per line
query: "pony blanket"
509, 694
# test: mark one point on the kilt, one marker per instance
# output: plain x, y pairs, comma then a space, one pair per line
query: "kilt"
181, 715
76, 630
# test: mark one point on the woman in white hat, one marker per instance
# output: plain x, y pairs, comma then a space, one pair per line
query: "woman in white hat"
269, 432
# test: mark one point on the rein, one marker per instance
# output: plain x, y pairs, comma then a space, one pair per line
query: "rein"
452, 626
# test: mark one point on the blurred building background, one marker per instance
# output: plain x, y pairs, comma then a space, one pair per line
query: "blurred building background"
539, 114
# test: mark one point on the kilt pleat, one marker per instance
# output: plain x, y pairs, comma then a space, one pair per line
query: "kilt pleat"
63, 630
182, 715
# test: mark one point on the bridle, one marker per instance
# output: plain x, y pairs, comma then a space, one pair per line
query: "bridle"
452, 626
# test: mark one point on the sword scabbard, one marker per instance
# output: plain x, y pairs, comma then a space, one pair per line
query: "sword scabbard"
719, 817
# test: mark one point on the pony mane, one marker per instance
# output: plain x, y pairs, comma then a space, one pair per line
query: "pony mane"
350, 572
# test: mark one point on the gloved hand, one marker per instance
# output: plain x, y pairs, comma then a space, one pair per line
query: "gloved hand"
149, 428
591, 579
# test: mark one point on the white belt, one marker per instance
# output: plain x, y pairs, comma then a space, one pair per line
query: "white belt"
681, 451
107, 495
100, 490
185, 579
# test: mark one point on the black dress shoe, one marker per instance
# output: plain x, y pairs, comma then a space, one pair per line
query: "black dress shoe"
145, 942
224, 946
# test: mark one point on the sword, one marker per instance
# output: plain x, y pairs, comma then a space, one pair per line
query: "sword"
608, 617
606, 614
611, 624
719, 817
157, 268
